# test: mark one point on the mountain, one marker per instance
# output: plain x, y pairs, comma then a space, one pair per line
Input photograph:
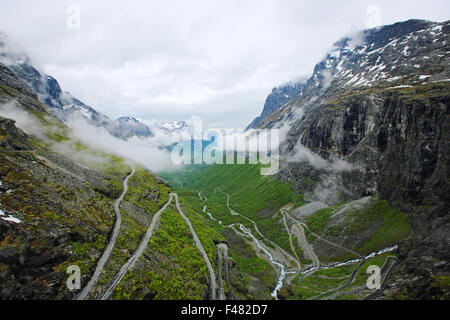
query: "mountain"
373, 120
278, 98
61, 203
404, 54
134, 126
363, 182
173, 126
62, 104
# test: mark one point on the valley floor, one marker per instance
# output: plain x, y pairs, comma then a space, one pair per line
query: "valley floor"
323, 255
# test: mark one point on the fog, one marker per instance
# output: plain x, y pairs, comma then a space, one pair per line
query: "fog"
24, 120
303, 154
169, 60
147, 152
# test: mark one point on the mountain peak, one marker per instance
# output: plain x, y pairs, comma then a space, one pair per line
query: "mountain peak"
174, 125
62, 104
406, 53
134, 126
127, 119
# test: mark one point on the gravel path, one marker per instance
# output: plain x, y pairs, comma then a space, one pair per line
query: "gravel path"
309, 250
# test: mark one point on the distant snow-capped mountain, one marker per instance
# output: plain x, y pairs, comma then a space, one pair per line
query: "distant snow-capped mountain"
174, 125
130, 124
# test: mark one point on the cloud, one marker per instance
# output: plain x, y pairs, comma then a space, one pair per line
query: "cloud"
171, 59
24, 120
327, 78
147, 152
303, 154
144, 151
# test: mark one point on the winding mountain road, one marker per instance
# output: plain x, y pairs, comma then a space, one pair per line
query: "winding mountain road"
107, 253
199, 246
281, 251
300, 228
353, 274
222, 262
221, 253
355, 271
389, 265
331, 243
309, 250
390, 268
226, 274
303, 226
299, 266
286, 254
131, 261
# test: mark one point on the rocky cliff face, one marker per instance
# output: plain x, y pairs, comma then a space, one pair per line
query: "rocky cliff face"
134, 126
278, 98
374, 120
57, 209
47, 198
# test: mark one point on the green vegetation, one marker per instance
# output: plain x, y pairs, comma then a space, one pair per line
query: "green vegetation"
145, 192
319, 219
326, 280
255, 266
254, 196
166, 272
393, 225
250, 192
180, 273
206, 234
365, 229
247, 265
144, 198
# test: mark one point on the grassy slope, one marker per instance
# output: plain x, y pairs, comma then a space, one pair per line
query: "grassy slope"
250, 192
167, 272
328, 279
252, 195
94, 207
259, 198
387, 226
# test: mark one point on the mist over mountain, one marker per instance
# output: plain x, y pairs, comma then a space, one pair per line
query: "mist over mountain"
406, 53
363, 181
277, 99
373, 121
62, 104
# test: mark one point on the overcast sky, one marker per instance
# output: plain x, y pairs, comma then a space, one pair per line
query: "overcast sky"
171, 60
